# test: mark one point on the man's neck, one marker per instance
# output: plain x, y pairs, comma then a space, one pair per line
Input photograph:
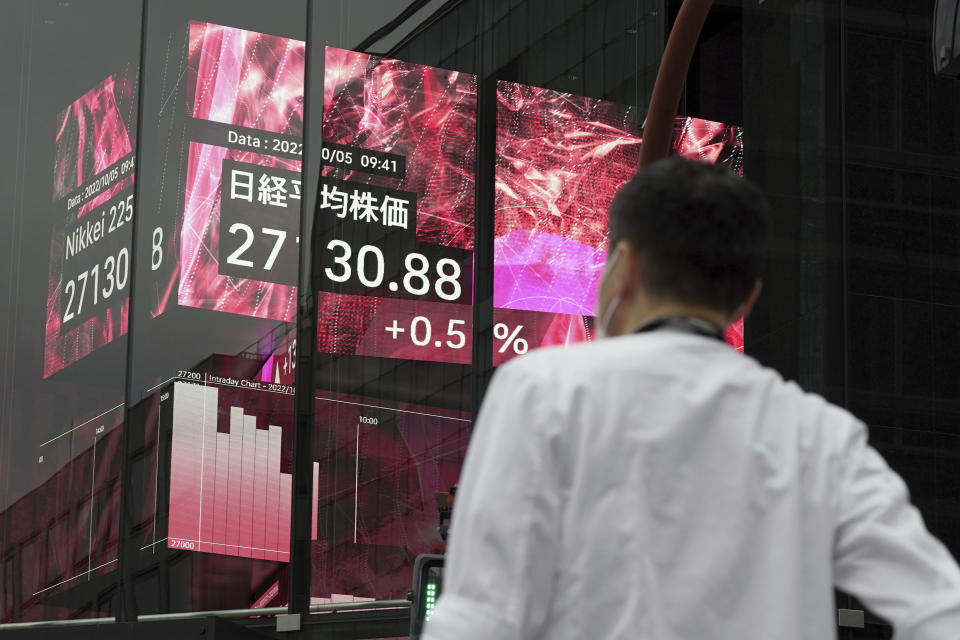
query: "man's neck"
641, 315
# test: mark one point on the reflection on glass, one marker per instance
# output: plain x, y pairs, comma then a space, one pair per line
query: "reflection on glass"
239, 242
64, 530
88, 297
68, 281
215, 463
395, 211
560, 160
396, 202
230, 484
380, 468
218, 252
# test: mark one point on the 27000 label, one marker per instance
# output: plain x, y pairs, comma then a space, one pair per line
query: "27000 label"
176, 543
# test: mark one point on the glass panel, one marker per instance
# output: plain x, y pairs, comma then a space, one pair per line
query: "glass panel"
216, 295
396, 384
69, 126
394, 244
900, 168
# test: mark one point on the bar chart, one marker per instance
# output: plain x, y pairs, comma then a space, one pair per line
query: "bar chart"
229, 490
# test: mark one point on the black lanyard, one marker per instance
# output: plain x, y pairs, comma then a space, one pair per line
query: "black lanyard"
687, 325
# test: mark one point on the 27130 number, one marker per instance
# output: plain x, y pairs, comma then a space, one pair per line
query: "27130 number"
115, 275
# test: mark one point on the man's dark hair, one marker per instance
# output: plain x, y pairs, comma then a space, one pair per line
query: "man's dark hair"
699, 231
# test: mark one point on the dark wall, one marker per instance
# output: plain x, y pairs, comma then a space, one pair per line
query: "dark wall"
855, 142
901, 169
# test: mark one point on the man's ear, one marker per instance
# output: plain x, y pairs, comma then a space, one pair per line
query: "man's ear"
629, 267
747, 306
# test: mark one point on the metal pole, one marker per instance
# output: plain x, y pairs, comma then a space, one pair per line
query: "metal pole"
126, 552
302, 495
483, 219
221, 613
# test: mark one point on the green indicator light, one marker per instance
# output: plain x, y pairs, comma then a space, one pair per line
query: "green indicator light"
429, 599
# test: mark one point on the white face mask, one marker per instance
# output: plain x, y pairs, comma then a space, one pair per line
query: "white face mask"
604, 317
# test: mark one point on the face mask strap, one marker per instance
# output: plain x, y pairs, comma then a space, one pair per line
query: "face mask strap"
607, 315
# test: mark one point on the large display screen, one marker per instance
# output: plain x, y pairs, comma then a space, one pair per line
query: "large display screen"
88, 286
396, 209
560, 160
238, 242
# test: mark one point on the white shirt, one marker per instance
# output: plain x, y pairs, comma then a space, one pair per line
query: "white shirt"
663, 486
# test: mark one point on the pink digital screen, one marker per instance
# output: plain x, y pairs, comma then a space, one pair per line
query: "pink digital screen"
239, 238
396, 209
88, 286
560, 160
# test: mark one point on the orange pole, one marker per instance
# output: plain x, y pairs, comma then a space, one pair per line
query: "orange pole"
658, 128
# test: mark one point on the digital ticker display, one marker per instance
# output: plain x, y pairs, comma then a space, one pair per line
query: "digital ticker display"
396, 209
560, 160
395, 216
88, 290
239, 238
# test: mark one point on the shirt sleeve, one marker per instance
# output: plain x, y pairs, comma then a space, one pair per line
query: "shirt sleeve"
501, 559
884, 554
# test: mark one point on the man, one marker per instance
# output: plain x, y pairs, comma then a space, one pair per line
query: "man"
659, 485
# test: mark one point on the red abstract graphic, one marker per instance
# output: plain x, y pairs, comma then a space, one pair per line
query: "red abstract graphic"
250, 81
427, 117
424, 114
560, 160
94, 134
